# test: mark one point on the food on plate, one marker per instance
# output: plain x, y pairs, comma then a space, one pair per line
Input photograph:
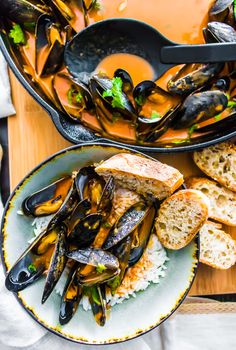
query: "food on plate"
180, 217
222, 200
217, 248
219, 162
143, 175
120, 100
99, 234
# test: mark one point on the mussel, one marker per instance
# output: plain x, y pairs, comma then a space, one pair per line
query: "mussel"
49, 46
97, 298
126, 224
222, 11
200, 107
24, 12
219, 32
49, 199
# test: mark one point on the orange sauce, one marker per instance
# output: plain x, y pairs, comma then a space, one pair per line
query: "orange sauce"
138, 68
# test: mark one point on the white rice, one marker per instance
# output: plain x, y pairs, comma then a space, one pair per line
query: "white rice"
39, 225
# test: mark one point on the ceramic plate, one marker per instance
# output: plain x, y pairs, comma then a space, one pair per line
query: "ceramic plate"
134, 316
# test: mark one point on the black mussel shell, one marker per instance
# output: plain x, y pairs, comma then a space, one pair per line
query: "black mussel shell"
194, 80
74, 96
105, 204
128, 85
220, 10
30, 267
219, 32
143, 90
143, 234
95, 257
98, 86
24, 12
222, 84
219, 126
84, 233
48, 200
49, 46
82, 179
97, 298
199, 107
126, 224
57, 263
96, 278
71, 296
79, 212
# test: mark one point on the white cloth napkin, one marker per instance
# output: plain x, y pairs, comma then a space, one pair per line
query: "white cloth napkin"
6, 107
181, 332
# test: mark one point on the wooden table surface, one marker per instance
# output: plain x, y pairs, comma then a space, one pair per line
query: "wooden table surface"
33, 137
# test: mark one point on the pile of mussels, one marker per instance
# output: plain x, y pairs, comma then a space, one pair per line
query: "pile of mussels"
203, 91
84, 235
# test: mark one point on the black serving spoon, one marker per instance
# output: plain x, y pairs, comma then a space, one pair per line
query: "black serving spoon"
86, 50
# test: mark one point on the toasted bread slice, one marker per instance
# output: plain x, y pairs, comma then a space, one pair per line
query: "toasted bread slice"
222, 200
217, 248
180, 217
143, 175
219, 162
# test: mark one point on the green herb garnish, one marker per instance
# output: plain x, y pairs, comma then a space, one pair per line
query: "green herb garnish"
96, 5
17, 34
155, 115
101, 268
95, 295
178, 142
231, 104
140, 100
32, 268
116, 93
114, 284
234, 9
73, 94
217, 117
192, 129
107, 225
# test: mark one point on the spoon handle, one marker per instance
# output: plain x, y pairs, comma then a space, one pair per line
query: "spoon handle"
206, 53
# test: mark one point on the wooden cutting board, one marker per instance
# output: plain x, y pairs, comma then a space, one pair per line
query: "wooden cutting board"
33, 137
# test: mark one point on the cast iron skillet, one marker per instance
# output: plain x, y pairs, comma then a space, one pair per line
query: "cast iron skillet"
77, 133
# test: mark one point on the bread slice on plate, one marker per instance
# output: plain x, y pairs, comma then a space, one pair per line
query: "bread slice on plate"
217, 248
140, 174
219, 162
180, 217
222, 200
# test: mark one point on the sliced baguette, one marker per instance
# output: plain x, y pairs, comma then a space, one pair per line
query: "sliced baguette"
219, 162
180, 217
140, 174
217, 248
222, 200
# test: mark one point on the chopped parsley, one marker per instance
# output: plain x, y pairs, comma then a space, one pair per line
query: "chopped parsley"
17, 34
32, 268
140, 100
234, 9
116, 93
217, 117
114, 284
101, 268
96, 5
231, 104
95, 295
192, 129
178, 142
74, 96
107, 225
155, 115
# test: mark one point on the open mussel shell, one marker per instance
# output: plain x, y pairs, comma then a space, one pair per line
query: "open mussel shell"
66, 209
95, 257
201, 106
79, 212
143, 234
126, 224
57, 263
98, 85
74, 96
97, 298
49, 46
219, 32
219, 126
183, 84
32, 263
143, 90
105, 204
48, 200
82, 179
96, 278
128, 85
24, 12
84, 233
71, 296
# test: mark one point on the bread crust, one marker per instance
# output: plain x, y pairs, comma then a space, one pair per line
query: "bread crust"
145, 170
221, 157
190, 197
195, 182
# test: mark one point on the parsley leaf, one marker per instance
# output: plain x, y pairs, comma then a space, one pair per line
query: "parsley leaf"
17, 34
95, 295
231, 104
96, 5
192, 129
217, 117
114, 284
140, 100
116, 93
32, 268
101, 268
235, 9
155, 115
74, 96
